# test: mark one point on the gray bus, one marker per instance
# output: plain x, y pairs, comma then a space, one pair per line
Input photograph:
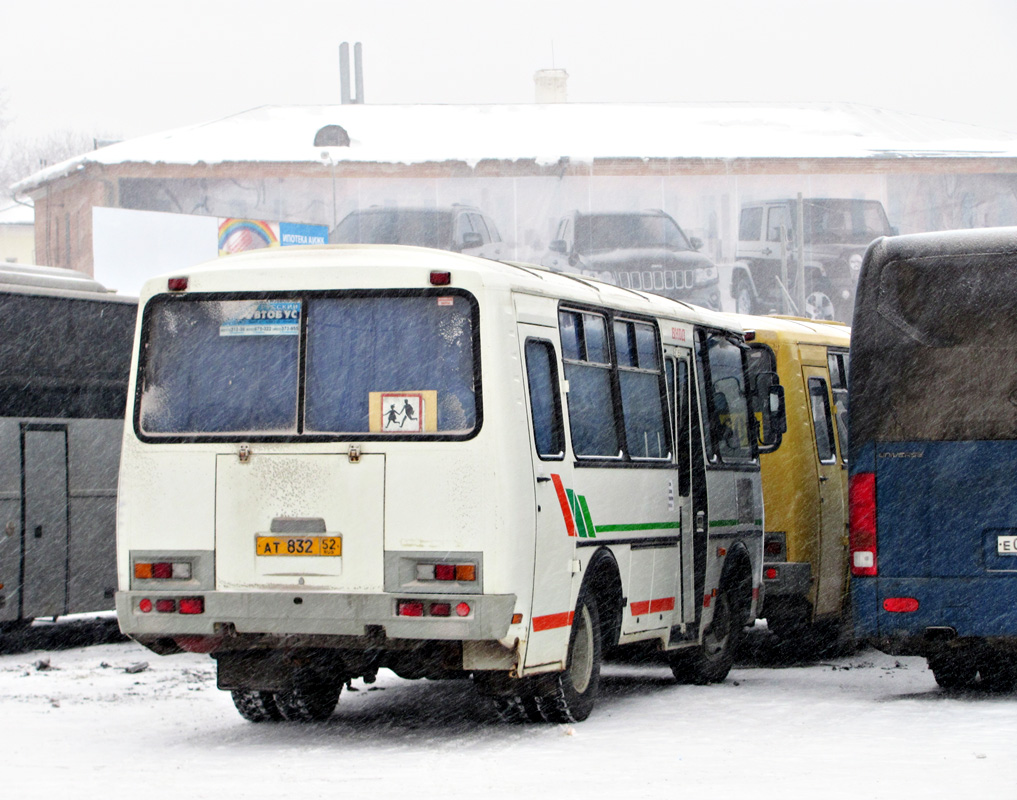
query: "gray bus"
65, 346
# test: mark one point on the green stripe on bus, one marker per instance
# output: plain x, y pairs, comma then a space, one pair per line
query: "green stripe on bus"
587, 517
578, 517
640, 526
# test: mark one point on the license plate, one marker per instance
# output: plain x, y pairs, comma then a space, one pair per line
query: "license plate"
1006, 545
299, 545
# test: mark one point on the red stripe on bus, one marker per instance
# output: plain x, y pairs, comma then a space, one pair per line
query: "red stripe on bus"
551, 621
652, 606
662, 604
563, 501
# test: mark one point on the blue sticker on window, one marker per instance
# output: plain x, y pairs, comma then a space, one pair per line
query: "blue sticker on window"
270, 318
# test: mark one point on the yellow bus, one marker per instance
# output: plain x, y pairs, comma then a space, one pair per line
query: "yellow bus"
805, 561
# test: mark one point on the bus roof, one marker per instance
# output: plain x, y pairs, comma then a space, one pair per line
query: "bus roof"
26, 277
363, 266
794, 329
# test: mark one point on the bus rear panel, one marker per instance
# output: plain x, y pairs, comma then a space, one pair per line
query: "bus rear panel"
933, 451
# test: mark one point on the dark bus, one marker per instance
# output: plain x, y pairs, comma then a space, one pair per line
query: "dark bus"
933, 445
65, 350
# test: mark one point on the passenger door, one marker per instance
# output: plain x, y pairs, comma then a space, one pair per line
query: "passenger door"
678, 367
44, 588
831, 578
555, 548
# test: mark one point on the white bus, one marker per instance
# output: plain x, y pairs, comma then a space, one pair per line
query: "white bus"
353, 457
65, 351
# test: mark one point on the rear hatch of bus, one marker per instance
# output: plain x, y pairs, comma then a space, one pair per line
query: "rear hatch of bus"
947, 528
299, 521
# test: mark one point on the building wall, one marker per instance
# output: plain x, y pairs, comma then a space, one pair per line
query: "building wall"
17, 243
526, 199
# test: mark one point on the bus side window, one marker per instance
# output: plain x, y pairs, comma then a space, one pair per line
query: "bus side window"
545, 400
722, 385
821, 421
839, 385
587, 364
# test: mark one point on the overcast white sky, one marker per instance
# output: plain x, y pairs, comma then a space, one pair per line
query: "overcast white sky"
126, 68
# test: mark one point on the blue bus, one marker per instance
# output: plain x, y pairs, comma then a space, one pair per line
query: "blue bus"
933, 453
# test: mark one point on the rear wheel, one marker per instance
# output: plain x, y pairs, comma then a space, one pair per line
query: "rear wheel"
569, 696
998, 669
309, 701
713, 659
520, 706
255, 706
956, 669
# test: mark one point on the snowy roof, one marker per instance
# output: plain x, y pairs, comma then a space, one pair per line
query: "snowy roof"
17, 214
414, 134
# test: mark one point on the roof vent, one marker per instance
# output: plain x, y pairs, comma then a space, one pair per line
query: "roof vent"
332, 136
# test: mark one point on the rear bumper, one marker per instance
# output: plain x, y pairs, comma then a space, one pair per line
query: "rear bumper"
316, 613
973, 608
794, 579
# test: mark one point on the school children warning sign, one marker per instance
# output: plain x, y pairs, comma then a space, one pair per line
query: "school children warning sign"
404, 412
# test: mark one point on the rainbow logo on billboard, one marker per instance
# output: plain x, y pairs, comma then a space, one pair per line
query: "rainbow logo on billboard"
237, 235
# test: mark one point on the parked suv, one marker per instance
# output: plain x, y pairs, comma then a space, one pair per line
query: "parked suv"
636, 250
460, 228
837, 232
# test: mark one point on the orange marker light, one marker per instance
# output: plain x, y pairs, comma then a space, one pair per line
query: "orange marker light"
466, 572
143, 571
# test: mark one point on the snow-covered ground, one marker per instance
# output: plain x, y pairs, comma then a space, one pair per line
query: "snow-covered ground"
92, 722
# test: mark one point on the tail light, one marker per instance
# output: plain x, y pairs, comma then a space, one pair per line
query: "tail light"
862, 504
900, 605
172, 605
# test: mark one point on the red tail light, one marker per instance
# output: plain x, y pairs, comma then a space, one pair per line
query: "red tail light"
410, 608
192, 605
900, 605
862, 502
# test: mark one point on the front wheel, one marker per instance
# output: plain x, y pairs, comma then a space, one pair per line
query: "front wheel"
954, 670
713, 659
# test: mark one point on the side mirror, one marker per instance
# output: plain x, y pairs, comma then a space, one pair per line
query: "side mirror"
558, 246
772, 412
696, 242
471, 239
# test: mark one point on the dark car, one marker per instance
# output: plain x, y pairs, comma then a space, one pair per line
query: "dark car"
644, 250
460, 228
837, 232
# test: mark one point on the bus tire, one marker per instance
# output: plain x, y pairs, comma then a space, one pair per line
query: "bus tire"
309, 701
955, 669
255, 706
569, 696
998, 670
711, 661
518, 708
514, 699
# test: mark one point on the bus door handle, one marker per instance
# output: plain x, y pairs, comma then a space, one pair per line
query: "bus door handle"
542, 479
700, 521
824, 478
38, 531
